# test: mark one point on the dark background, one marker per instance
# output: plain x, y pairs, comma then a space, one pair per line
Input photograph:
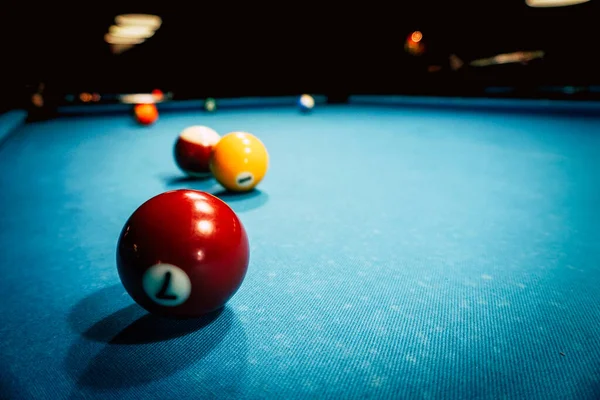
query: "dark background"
228, 49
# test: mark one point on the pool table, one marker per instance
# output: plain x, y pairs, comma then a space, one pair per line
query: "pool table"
400, 248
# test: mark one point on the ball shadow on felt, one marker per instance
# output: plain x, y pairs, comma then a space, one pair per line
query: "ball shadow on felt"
189, 182
130, 347
238, 201
243, 201
104, 313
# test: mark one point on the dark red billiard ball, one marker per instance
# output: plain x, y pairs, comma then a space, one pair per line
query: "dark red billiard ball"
182, 254
193, 149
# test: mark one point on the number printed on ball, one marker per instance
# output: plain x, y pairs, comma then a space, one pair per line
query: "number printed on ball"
167, 285
245, 179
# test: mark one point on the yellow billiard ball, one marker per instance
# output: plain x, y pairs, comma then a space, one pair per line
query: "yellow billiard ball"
239, 161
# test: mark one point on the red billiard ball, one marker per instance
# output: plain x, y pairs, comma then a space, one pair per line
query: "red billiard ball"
193, 149
146, 114
158, 94
182, 254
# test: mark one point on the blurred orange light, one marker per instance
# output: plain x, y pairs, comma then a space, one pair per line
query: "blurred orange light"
416, 36
85, 97
414, 48
37, 100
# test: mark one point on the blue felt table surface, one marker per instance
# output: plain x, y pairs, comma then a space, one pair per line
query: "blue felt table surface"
395, 253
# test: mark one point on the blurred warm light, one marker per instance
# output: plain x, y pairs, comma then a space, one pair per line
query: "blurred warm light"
111, 39
434, 68
138, 98
85, 97
414, 48
553, 3
508, 58
37, 100
455, 62
131, 31
146, 20
96, 97
120, 48
416, 36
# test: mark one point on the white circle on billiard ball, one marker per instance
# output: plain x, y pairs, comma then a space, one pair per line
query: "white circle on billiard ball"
167, 285
244, 179
200, 135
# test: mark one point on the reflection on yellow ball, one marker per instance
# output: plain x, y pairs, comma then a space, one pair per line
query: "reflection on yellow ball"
239, 161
